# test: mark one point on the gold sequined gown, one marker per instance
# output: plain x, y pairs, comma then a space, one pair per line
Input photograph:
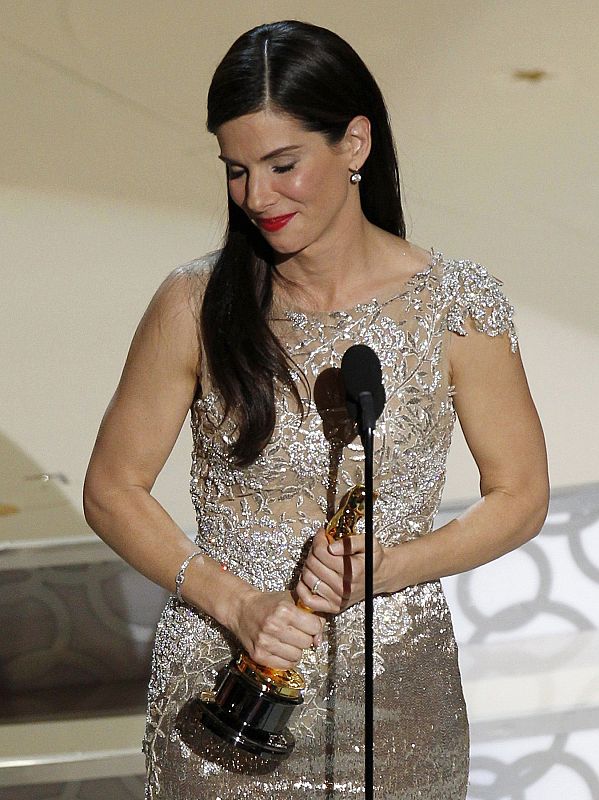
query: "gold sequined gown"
259, 519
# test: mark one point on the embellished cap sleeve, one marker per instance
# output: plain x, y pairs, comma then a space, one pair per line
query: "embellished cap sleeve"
201, 267
197, 273
471, 291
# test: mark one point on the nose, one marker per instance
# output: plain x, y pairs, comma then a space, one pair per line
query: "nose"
259, 194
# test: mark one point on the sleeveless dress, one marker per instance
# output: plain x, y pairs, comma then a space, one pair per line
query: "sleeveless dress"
259, 520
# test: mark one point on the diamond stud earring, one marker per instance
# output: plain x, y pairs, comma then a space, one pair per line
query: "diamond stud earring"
355, 176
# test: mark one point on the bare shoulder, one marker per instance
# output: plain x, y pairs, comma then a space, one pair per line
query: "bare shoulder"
421, 258
400, 258
183, 287
172, 317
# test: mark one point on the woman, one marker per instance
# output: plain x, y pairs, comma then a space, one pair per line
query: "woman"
315, 259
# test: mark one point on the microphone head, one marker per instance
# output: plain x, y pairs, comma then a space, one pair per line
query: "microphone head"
361, 371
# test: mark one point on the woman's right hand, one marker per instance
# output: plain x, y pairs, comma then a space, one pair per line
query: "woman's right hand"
273, 630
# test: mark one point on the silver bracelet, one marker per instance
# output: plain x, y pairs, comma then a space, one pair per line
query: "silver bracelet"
181, 574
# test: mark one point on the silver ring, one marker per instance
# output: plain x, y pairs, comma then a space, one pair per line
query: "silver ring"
315, 587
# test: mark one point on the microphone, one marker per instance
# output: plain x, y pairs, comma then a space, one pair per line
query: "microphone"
365, 400
364, 390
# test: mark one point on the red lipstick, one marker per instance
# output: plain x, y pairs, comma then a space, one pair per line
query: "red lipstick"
272, 224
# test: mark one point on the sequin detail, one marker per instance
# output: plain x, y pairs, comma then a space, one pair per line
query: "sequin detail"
260, 520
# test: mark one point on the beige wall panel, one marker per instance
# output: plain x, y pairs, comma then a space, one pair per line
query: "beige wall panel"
108, 179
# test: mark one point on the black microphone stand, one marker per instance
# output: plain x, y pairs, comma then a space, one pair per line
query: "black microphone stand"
365, 400
366, 423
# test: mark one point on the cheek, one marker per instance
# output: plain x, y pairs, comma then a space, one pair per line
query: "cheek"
237, 191
300, 186
316, 184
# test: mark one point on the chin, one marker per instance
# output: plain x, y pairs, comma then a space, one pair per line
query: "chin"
283, 250
290, 245
284, 246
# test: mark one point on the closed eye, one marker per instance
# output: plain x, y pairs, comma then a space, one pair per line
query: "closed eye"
284, 168
232, 173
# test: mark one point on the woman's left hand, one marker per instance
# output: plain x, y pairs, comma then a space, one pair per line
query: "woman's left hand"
336, 571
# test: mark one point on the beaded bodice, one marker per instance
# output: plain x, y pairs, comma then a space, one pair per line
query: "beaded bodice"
277, 502
259, 520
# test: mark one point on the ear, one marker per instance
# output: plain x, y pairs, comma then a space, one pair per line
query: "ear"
358, 141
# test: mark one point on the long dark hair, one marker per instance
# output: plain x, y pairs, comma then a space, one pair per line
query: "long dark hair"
314, 76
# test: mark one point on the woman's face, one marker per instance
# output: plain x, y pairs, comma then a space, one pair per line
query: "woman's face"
290, 182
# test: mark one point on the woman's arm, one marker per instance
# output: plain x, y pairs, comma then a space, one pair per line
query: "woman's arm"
503, 432
136, 436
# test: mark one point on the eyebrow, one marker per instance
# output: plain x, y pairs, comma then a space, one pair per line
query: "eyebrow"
279, 151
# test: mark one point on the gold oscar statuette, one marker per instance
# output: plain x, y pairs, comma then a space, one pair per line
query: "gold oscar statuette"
251, 704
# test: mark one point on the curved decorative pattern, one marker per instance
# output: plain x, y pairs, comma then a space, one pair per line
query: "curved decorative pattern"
72, 625
129, 788
528, 624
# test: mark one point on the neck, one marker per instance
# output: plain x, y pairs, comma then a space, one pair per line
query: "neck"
327, 271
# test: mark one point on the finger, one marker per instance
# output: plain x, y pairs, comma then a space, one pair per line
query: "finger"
348, 545
317, 640
348, 569
309, 608
308, 623
289, 642
353, 569
317, 602
336, 585
281, 659
320, 552
305, 641
315, 570
289, 624
324, 583
325, 566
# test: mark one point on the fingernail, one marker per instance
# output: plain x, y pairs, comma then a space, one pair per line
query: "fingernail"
336, 548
